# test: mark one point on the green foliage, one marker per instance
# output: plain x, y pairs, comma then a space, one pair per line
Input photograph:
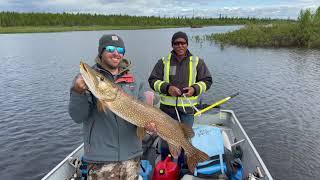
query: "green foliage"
305, 32
12, 19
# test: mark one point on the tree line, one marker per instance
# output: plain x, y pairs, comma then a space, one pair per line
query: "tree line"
12, 19
305, 32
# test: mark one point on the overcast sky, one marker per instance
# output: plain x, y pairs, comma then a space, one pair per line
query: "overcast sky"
168, 8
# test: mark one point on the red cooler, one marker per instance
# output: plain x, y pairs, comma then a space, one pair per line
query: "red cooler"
166, 170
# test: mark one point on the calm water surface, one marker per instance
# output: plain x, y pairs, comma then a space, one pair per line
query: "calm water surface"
278, 105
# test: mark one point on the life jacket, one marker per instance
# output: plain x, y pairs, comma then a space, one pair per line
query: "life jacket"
127, 77
209, 139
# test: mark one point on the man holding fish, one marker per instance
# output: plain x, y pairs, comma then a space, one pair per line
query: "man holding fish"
114, 117
111, 146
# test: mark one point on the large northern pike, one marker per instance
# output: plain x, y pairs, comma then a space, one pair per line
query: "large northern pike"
140, 114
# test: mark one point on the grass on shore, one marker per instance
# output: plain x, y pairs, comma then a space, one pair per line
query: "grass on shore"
304, 33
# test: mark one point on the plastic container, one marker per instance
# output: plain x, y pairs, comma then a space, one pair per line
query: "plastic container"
166, 170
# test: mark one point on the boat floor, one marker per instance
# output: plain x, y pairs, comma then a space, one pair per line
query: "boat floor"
152, 149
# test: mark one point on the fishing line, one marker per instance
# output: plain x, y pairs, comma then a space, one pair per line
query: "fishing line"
178, 116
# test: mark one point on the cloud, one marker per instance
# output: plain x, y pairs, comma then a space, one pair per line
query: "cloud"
167, 8
262, 12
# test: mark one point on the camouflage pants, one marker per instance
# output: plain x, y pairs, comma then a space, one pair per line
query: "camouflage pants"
121, 170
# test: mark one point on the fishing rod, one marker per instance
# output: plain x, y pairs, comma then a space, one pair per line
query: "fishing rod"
215, 104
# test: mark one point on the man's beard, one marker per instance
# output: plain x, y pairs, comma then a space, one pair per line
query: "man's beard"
108, 64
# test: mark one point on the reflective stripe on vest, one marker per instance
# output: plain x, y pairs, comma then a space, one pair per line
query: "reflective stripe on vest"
166, 63
158, 83
171, 101
202, 85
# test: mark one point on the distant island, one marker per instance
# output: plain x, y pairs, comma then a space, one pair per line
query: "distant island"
305, 33
195, 26
258, 32
15, 22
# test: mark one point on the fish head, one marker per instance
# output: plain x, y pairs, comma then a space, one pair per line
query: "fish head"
98, 84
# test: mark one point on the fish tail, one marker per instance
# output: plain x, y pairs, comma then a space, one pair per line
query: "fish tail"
194, 157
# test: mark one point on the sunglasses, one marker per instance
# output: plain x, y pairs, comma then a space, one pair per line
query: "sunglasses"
111, 49
179, 43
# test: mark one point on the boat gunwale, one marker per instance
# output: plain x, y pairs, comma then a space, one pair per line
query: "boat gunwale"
233, 118
264, 167
62, 162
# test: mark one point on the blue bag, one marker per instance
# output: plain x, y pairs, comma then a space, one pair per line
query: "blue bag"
209, 140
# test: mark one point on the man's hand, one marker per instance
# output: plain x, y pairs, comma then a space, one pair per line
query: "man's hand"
79, 85
151, 127
189, 91
174, 91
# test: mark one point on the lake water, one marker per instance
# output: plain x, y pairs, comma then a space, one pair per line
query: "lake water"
278, 105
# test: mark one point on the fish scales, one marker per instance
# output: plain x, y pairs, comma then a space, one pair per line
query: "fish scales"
140, 114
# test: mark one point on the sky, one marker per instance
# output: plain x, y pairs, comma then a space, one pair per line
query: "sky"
167, 8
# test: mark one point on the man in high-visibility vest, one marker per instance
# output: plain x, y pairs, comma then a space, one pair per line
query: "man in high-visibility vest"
177, 73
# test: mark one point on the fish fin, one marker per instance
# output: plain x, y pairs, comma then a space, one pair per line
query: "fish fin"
174, 150
111, 95
187, 131
102, 106
141, 132
194, 157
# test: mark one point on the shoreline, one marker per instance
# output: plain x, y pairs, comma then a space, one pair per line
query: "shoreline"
54, 29
305, 33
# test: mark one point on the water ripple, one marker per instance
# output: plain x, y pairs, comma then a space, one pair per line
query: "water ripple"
278, 104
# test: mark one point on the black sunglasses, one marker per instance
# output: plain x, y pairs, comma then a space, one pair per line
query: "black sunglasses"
178, 43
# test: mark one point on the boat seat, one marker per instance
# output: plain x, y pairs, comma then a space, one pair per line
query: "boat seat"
209, 140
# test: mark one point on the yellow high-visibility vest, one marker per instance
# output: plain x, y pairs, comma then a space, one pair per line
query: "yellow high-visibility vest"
171, 101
